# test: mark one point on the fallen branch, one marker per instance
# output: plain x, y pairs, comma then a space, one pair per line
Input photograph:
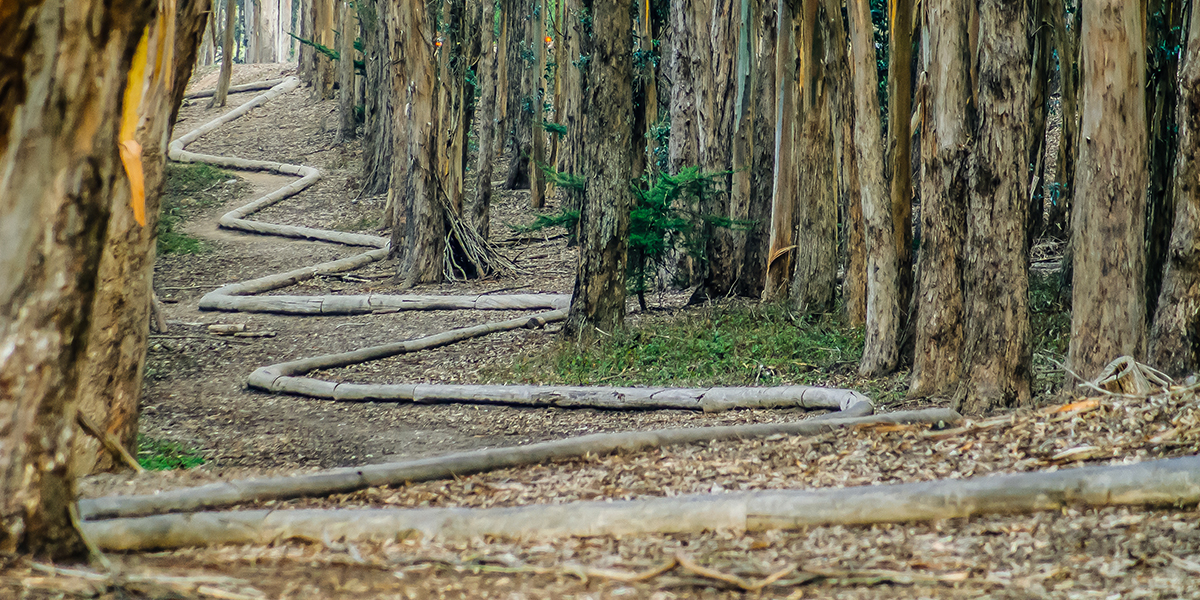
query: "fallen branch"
337, 481
1162, 482
245, 87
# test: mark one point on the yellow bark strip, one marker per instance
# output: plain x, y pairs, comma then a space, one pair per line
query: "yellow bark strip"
130, 149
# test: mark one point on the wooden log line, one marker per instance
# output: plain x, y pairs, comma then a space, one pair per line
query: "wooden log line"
245, 87
1165, 482
345, 480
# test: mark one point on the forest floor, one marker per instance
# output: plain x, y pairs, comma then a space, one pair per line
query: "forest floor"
196, 398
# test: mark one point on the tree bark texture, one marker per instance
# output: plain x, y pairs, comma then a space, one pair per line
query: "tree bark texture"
110, 381
325, 72
598, 301
218, 98
899, 146
414, 187
684, 65
63, 68
480, 208
715, 40
881, 351
996, 350
1066, 44
518, 118
306, 68
451, 110
945, 150
783, 201
741, 157
537, 153
1175, 335
1108, 312
814, 282
378, 116
348, 31
752, 281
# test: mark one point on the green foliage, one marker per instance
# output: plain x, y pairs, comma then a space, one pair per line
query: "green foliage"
360, 67
164, 455
554, 127
564, 218
738, 343
1050, 321
186, 187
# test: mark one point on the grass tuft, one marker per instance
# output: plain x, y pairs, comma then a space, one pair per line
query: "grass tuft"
164, 455
737, 343
186, 189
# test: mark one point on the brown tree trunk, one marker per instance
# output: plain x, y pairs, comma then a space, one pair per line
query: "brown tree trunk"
741, 157
218, 98
378, 116
420, 236
58, 139
1175, 335
502, 57
451, 110
598, 301
111, 376
899, 147
781, 249
480, 208
996, 351
1108, 312
577, 40
683, 64
306, 67
814, 281
537, 155
754, 268
945, 150
325, 72
518, 117
348, 26
881, 350
1066, 43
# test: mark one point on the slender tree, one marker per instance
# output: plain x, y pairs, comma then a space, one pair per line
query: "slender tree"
945, 150
899, 144
783, 203
218, 98
598, 301
762, 170
480, 208
348, 31
996, 350
1175, 335
1108, 312
378, 120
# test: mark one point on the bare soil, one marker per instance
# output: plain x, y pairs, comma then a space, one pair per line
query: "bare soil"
195, 394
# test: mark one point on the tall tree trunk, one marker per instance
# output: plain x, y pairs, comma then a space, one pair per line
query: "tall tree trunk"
577, 39
378, 119
1066, 40
64, 68
111, 376
451, 130
783, 204
598, 301
1108, 312
814, 281
754, 269
741, 158
268, 30
325, 73
1175, 335
348, 24
1164, 20
715, 38
307, 64
996, 351
218, 98
420, 238
881, 350
481, 206
537, 154
1039, 107
503, 121
682, 147
945, 150
521, 93
899, 146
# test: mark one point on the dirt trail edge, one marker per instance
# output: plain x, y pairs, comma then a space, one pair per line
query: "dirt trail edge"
283, 377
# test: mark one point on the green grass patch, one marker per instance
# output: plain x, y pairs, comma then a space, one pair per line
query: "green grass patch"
188, 188
1050, 322
164, 455
737, 343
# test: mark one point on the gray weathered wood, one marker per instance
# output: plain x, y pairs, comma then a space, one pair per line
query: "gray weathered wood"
1161, 482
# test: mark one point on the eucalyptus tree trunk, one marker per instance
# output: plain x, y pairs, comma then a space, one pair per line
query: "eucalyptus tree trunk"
522, 67
306, 67
576, 39
250, 29
325, 74
752, 281
1066, 44
451, 110
537, 154
881, 349
503, 120
996, 350
59, 124
742, 134
419, 236
480, 208
218, 98
945, 150
1175, 334
683, 65
781, 248
378, 115
899, 146
598, 301
110, 382
1108, 312
348, 26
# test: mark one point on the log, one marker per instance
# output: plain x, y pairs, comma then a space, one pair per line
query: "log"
1155, 483
245, 87
338, 481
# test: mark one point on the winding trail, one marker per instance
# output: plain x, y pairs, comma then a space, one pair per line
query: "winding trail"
288, 377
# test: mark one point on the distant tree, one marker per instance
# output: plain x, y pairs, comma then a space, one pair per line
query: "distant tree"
480, 205
598, 301
1108, 312
227, 48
